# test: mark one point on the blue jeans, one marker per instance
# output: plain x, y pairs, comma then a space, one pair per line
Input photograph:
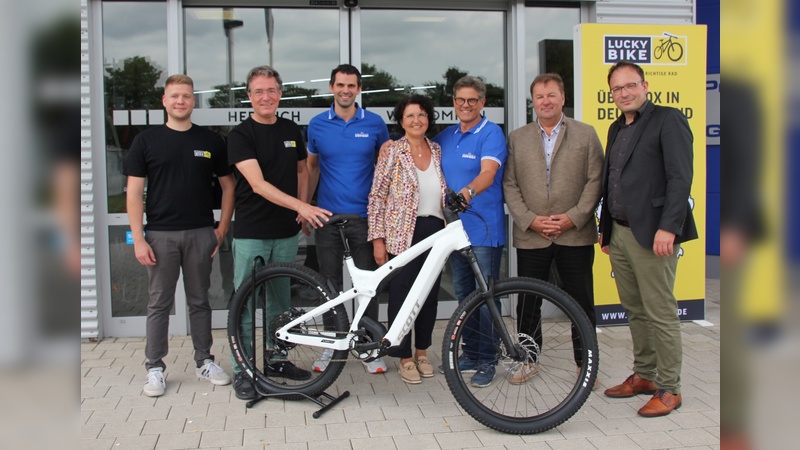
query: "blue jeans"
479, 333
278, 291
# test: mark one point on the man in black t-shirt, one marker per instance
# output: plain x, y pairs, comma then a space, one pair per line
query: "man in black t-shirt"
178, 161
268, 155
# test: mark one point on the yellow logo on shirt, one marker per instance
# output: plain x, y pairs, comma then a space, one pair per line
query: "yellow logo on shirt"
202, 154
290, 144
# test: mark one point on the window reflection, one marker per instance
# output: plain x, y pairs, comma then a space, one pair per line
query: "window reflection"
134, 71
223, 44
426, 51
129, 294
548, 48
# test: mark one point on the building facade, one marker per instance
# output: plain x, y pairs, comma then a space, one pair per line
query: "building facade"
130, 47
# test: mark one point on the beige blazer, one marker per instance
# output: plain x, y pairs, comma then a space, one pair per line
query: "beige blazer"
575, 181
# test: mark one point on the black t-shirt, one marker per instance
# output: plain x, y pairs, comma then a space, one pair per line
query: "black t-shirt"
277, 148
180, 168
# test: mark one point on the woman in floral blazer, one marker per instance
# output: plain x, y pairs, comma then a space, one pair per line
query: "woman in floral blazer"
405, 207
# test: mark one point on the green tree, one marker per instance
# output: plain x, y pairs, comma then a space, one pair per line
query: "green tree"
307, 101
442, 95
132, 85
221, 98
379, 80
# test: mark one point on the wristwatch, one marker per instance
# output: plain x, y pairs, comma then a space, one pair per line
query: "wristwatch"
472, 193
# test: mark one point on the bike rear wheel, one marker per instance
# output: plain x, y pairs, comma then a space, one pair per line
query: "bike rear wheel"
278, 294
521, 400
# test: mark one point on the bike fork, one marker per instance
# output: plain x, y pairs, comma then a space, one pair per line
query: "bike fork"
487, 292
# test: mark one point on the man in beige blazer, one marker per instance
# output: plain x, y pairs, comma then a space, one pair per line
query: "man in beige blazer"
552, 186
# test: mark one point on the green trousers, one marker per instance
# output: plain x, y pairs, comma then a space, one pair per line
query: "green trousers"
278, 292
645, 283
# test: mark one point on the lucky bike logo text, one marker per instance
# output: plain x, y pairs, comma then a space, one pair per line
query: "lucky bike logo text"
667, 49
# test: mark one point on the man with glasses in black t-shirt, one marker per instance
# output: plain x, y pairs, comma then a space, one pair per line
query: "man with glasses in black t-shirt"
178, 162
269, 159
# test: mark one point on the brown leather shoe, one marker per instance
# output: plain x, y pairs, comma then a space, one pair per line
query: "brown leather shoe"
632, 385
661, 404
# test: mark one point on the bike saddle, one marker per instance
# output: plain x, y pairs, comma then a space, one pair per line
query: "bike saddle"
341, 219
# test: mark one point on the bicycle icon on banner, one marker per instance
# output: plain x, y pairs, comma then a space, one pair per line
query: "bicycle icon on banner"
672, 48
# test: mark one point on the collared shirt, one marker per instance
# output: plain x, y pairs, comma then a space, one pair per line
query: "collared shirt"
462, 154
549, 144
616, 154
347, 153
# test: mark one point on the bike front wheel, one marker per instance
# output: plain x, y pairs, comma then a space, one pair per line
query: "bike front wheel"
262, 305
550, 379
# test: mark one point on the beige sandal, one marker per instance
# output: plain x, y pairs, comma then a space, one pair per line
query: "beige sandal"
424, 367
409, 374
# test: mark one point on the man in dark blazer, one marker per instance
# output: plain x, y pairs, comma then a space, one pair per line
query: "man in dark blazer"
644, 218
552, 187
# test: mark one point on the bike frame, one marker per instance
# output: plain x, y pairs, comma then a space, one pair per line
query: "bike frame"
365, 284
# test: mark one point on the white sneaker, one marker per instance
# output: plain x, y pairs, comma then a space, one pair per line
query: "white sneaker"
212, 372
322, 362
155, 384
376, 366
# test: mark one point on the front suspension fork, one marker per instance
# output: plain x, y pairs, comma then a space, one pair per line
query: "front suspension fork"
486, 289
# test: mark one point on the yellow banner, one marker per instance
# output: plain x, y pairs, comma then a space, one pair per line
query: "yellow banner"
674, 61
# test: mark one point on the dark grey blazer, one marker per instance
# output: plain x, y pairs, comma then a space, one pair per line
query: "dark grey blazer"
656, 177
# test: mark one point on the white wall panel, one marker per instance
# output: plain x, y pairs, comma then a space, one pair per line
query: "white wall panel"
90, 326
643, 11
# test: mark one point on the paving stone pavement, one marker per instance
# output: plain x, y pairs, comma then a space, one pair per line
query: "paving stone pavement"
382, 412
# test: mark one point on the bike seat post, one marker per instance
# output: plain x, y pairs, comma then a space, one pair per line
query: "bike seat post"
340, 227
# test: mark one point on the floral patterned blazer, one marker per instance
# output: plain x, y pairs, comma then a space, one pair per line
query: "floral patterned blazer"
394, 198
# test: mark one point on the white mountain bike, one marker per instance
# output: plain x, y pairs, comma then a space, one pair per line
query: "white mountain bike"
314, 321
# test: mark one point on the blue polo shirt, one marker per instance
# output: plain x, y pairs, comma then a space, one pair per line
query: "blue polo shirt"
347, 153
462, 154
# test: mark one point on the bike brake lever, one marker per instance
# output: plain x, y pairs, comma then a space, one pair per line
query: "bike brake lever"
456, 201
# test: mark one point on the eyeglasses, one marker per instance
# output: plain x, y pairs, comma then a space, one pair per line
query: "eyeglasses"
422, 115
260, 93
470, 101
628, 87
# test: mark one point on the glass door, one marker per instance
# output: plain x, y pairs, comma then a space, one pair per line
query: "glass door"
134, 70
219, 46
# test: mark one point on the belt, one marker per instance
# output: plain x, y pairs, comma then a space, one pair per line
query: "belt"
624, 223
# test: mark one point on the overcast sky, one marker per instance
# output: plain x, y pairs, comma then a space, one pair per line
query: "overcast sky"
414, 46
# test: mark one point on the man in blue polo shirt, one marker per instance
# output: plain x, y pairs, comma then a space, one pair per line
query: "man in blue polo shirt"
473, 154
342, 146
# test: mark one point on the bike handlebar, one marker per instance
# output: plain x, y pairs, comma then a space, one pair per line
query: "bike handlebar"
455, 204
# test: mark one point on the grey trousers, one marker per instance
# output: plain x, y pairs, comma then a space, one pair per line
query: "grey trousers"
190, 251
